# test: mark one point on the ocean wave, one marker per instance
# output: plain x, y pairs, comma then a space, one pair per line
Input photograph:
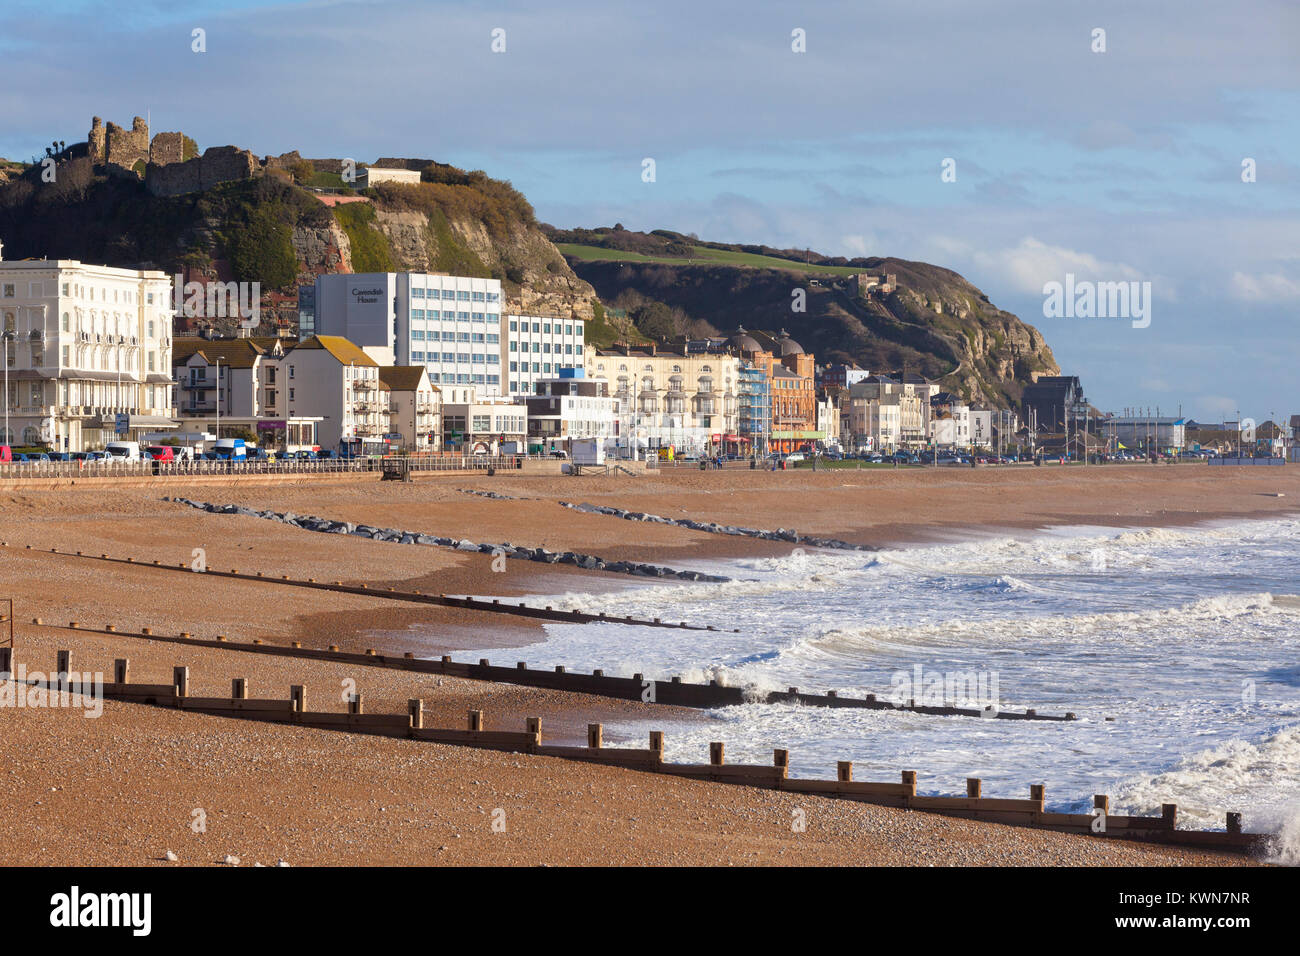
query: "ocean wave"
1232, 776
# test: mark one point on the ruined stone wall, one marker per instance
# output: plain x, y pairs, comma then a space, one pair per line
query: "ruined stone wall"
218, 164
167, 148
283, 161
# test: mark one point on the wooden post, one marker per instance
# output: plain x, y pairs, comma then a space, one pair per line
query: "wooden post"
415, 709
716, 753
598, 673
1101, 802
521, 665
595, 734
1234, 822
844, 771
972, 787
6, 660
533, 725
559, 668
181, 681
781, 760
1169, 815
484, 662
122, 671
355, 705
793, 691
1036, 792
476, 720
298, 694
657, 742
909, 780
239, 688
63, 667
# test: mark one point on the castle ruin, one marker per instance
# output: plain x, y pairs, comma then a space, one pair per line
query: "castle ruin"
169, 164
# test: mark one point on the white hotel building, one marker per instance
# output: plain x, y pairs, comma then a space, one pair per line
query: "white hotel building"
86, 349
451, 325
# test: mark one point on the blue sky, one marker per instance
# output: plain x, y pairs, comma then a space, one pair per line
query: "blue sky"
1122, 165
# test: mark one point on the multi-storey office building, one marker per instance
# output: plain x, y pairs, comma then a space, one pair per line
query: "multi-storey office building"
538, 347
86, 351
451, 325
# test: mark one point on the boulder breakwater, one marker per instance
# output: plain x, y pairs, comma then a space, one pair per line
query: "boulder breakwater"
712, 527
587, 562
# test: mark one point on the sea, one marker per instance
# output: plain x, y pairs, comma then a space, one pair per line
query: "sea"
1178, 649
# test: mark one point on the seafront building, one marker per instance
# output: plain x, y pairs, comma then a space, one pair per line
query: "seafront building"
86, 353
686, 402
568, 407
451, 325
886, 414
536, 348
414, 408
454, 326
1145, 434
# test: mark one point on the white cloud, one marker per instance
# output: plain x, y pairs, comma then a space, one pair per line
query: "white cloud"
1031, 263
1269, 287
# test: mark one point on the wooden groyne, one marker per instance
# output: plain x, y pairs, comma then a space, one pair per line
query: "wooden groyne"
673, 691
903, 794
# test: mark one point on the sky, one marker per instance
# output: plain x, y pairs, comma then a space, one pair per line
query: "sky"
1007, 140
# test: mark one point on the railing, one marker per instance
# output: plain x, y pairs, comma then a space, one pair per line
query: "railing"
120, 468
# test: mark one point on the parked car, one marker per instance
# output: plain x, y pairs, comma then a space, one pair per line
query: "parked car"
58, 456
123, 450
795, 456
161, 452
305, 455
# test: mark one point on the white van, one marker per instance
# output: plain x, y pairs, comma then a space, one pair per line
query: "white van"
123, 450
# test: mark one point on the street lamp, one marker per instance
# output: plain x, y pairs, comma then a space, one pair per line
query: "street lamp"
9, 336
218, 432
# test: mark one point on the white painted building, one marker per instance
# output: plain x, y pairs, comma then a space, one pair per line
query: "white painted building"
414, 408
331, 377
373, 175
86, 349
670, 400
981, 428
452, 325
536, 347
570, 407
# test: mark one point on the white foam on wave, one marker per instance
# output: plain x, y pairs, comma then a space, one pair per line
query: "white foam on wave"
1229, 777
958, 631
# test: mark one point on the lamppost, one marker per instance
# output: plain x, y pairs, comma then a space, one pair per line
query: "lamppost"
218, 432
9, 336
